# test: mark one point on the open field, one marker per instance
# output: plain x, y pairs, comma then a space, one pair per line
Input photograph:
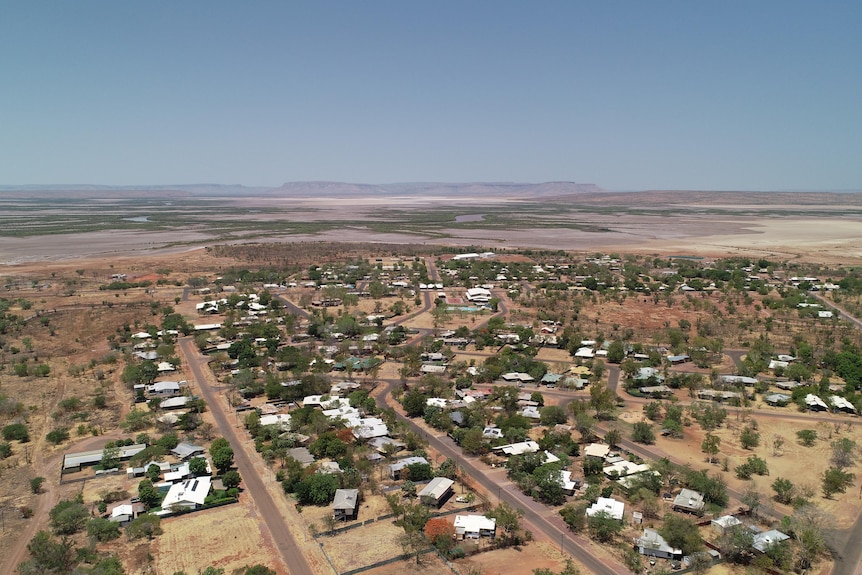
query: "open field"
785, 226
233, 539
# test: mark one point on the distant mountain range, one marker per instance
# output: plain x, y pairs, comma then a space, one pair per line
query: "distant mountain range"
546, 191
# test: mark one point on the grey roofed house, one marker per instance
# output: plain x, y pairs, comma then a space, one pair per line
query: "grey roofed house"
688, 500
656, 390
436, 492
738, 380
380, 443
395, 469
301, 454
457, 418
777, 399
763, 541
345, 506
185, 450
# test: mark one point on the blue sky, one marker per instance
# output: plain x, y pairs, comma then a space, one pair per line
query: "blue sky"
628, 95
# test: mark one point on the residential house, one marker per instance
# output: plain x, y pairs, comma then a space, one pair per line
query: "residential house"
397, 469
175, 402
185, 450
74, 461
436, 492
777, 399
766, 539
724, 523
345, 506
518, 448
814, 403
841, 404
611, 507
302, 455
569, 485
652, 544
599, 450
689, 501
475, 526
190, 494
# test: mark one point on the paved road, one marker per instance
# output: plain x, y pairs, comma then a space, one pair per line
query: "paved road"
842, 313
537, 514
281, 536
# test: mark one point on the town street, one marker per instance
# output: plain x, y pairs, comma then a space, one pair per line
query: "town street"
292, 554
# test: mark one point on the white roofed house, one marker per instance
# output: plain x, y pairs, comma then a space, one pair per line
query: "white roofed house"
164, 388
841, 404
190, 494
478, 295
814, 403
475, 526
518, 448
609, 506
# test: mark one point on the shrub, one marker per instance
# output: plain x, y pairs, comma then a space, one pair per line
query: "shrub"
16, 431
36, 484
57, 436
102, 529
807, 437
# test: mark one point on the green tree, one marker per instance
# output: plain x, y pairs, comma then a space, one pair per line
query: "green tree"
681, 532
784, 490
48, 555
749, 438
602, 400
198, 466
736, 544
613, 437
148, 526
222, 454
68, 517
575, 516
110, 456
642, 432
102, 529
552, 415
709, 445
231, 479
836, 480
508, 519
317, 489
149, 495
603, 527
